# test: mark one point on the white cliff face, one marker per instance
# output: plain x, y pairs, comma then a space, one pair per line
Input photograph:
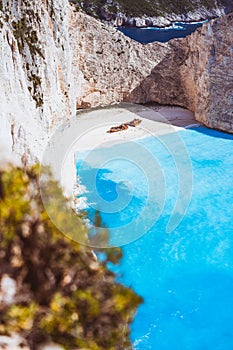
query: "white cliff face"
196, 74
52, 57
110, 64
209, 84
37, 90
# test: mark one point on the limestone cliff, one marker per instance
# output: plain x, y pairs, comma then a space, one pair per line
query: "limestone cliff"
194, 72
153, 13
35, 73
110, 65
207, 74
52, 57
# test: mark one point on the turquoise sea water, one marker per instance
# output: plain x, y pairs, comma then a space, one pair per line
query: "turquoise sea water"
185, 276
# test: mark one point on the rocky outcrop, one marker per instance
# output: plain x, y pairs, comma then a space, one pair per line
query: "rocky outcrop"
196, 74
149, 13
35, 73
207, 74
110, 65
53, 58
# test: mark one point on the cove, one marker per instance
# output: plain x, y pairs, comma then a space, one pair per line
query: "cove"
186, 276
151, 34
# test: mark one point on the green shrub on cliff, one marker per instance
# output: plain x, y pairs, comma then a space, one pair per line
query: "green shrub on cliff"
62, 293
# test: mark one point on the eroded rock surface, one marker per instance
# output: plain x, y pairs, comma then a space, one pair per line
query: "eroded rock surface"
139, 13
35, 73
210, 84
110, 65
194, 72
53, 59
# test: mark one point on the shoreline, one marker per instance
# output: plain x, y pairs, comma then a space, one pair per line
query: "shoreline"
168, 26
156, 120
90, 131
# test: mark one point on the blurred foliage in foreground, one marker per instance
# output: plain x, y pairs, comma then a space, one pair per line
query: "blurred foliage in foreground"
63, 294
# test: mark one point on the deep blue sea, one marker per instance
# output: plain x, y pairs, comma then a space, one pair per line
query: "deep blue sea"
183, 271
151, 34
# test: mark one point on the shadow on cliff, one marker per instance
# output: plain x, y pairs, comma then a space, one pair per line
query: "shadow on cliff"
165, 84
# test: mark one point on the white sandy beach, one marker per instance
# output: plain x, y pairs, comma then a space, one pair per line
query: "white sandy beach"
94, 124
89, 131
